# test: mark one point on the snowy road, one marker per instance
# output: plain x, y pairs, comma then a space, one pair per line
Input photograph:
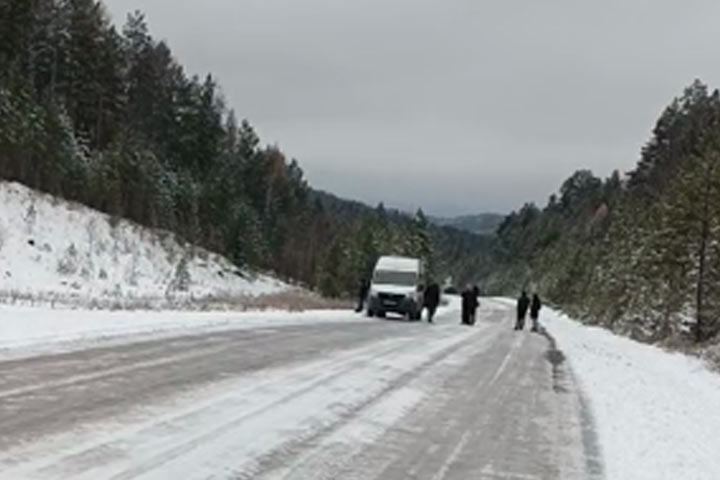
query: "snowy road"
355, 399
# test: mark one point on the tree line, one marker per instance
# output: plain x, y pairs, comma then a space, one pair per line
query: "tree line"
109, 118
639, 253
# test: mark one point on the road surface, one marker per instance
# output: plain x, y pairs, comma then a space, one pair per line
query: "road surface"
366, 399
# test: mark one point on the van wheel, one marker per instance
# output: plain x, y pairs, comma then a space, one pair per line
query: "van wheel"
370, 313
381, 314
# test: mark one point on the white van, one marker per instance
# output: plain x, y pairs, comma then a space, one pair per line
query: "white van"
396, 287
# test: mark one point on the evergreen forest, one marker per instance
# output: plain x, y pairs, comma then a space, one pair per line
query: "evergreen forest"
636, 252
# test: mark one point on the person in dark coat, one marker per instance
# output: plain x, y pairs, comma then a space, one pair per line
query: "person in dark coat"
522, 307
362, 294
432, 299
474, 303
466, 305
535, 307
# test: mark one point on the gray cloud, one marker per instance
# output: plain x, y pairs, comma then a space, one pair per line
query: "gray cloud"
453, 105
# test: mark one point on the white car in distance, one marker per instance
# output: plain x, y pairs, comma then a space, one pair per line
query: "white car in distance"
397, 287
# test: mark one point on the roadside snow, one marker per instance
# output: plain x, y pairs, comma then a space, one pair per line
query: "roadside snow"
657, 413
30, 330
33, 330
57, 251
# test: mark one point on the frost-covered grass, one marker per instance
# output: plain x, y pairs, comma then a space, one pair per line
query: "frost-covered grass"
58, 252
657, 413
292, 299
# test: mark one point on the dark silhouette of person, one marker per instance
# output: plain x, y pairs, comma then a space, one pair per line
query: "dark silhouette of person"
535, 307
522, 307
362, 294
465, 307
432, 299
474, 303
468, 306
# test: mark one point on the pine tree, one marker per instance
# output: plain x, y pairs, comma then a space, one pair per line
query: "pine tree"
690, 235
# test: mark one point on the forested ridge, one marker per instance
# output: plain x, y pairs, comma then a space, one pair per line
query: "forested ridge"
638, 253
109, 118
483, 223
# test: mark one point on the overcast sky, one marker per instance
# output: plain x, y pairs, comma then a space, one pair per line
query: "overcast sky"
455, 106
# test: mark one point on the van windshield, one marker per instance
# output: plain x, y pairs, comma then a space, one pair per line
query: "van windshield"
390, 277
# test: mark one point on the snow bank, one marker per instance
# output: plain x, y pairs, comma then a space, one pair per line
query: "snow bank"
55, 250
657, 413
26, 330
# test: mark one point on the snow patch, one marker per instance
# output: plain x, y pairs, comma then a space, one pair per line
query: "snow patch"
657, 413
52, 250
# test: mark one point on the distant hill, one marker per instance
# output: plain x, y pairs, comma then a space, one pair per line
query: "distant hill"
483, 223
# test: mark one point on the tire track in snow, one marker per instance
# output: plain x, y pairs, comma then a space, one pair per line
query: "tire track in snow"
84, 459
137, 362
23, 413
323, 449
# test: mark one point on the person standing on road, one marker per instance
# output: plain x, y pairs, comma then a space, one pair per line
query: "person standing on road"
432, 299
522, 307
535, 307
466, 304
362, 294
475, 303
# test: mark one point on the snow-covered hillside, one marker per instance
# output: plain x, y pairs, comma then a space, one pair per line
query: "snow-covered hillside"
56, 251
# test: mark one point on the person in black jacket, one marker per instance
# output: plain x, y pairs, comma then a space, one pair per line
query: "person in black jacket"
535, 307
522, 307
432, 299
474, 303
469, 305
362, 294
466, 305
